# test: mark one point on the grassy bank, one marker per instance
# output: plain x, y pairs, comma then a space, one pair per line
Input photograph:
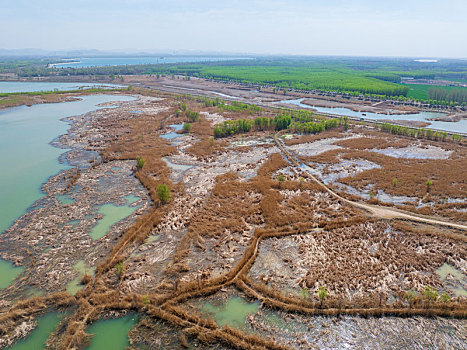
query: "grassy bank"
13, 99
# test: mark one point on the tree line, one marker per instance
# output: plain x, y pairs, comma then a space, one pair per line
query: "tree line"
232, 127
454, 95
422, 133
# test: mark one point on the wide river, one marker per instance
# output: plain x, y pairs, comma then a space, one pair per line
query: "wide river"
460, 126
33, 86
122, 61
27, 159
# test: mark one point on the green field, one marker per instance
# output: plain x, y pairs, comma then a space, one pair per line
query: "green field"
420, 92
369, 76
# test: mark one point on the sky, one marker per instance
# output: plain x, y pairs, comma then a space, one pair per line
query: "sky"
410, 28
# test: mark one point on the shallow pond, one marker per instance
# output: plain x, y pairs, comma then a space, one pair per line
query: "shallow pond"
32, 86
8, 273
75, 285
444, 270
64, 199
412, 152
175, 166
36, 340
111, 334
460, 126
25, 134
111, 214
173, 134
232, 313
131, 199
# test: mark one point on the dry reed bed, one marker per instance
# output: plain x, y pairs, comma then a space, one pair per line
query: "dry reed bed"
185, 290
273, 212
377, 259
26, 310
447, 175
371, 306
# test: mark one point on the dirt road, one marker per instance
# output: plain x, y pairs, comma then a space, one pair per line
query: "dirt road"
372, 210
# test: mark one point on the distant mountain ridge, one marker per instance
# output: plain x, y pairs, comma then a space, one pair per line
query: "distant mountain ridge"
32, 52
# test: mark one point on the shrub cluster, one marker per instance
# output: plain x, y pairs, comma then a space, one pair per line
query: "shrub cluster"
317, 127
232, 127
417, 132
234, 106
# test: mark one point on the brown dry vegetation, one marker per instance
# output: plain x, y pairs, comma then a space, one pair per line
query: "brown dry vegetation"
207, 146
377, 258
375, 142
260, 209
447, 175
298, 139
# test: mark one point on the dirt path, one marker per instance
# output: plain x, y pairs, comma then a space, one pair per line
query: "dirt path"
372, 210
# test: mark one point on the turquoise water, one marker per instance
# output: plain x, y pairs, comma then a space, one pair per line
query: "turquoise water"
111, 334
64, 199
36, 340
131, 199
121, 61
232, 313
20, 86
27, 159
75, 285
444, 270
111, 215
8, 273
460, 126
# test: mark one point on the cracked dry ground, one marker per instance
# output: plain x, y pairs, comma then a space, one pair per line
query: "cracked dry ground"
231, 229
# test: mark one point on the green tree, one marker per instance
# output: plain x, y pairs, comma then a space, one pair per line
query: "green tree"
456, 137
186, 127
430, 294
280, 179
410, 297
301, 179
119, 269
429, 183
445, 297
394, 182
163, 193
192, 115
145, 300
322, 294
140, 162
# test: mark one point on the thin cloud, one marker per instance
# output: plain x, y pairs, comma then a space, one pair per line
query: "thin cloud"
333, 27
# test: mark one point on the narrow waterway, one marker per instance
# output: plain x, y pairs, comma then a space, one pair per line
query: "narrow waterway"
460, 126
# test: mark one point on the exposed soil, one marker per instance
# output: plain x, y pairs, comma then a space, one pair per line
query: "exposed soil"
232, 228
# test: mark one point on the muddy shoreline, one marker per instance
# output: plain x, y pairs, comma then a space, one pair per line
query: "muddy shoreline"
60, 230
224, 200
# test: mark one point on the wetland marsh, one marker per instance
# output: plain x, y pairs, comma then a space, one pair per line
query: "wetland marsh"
239, 252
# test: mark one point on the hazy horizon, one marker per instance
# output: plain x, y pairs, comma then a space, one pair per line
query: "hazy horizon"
411, 28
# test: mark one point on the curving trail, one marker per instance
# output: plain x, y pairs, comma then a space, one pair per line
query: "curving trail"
372, 210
